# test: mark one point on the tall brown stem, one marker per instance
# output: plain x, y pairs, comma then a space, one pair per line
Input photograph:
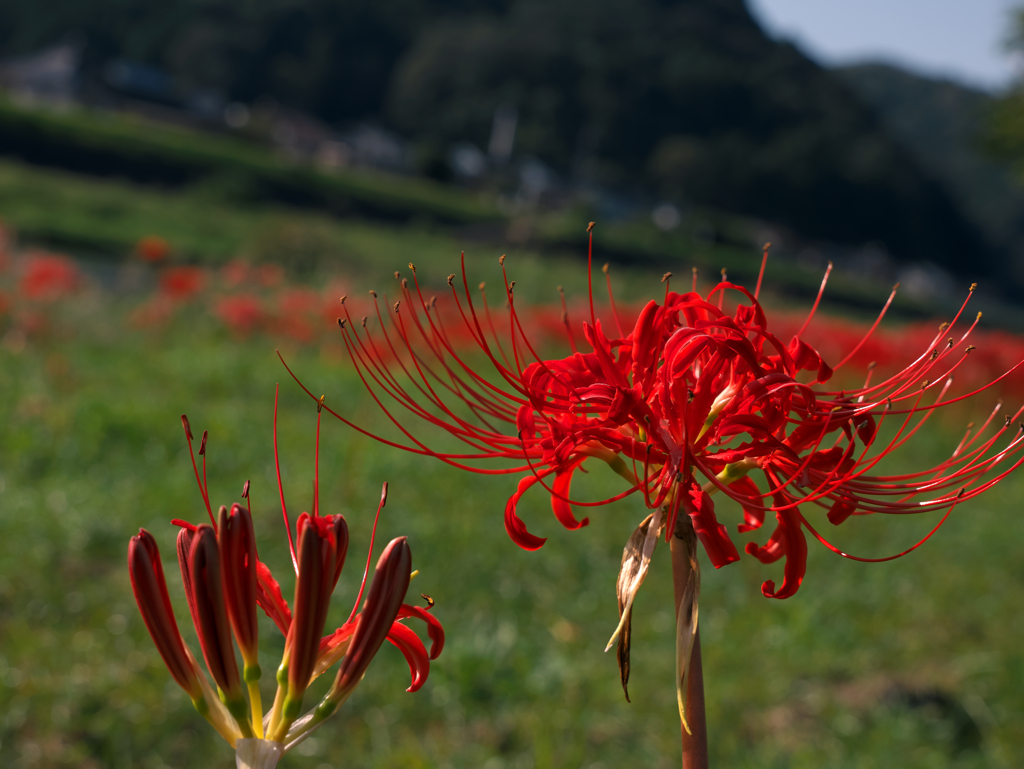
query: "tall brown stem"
695, 744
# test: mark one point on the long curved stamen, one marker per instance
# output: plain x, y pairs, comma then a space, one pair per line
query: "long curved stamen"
590, 272
280, 485
202, 486
316, 460
760, 275
565, 320
611, 301
817, 300
369, 552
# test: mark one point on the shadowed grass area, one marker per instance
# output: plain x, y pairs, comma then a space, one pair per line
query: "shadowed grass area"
915, 663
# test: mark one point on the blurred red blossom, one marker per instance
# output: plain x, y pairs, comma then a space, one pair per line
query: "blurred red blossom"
296, 300
152, 248
48, 277
242, 313
182, 283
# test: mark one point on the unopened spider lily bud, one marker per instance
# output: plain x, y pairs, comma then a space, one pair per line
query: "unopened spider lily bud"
150, 588
224, 582
387, 591
237, 544
206, 601
323, 543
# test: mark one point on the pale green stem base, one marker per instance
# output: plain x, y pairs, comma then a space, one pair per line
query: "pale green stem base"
252, 753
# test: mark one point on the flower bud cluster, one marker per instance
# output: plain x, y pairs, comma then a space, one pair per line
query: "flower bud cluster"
224, 583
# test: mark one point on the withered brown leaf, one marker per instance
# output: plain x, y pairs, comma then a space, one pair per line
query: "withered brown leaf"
636, 559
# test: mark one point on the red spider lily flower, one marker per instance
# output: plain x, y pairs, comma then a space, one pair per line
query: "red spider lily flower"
688, 402
225, 581
48, 277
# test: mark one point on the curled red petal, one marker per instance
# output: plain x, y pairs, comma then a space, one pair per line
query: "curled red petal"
514, 525
561, 508
773, 549
338, 637
645, 345
794, 545
840, 511
753, 506
415, 653
434, 628
712, 534
270, 599
525, 421
807, 358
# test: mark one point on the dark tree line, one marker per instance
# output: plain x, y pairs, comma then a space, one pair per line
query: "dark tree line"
686, 99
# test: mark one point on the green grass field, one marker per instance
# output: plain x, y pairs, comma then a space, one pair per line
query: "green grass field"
916, 663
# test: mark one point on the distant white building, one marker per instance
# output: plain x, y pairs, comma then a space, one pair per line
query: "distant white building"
50, 75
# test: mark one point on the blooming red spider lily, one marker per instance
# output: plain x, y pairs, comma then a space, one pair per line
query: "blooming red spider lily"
689, 402
225, 581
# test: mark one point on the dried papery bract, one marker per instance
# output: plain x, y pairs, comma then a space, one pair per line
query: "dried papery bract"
689, 402
225, 581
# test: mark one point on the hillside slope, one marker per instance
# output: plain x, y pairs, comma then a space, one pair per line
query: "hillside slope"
680, 99
943, 124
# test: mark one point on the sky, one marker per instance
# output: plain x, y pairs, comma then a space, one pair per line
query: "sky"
959, 39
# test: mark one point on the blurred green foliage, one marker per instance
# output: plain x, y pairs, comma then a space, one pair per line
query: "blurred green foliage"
916, 662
